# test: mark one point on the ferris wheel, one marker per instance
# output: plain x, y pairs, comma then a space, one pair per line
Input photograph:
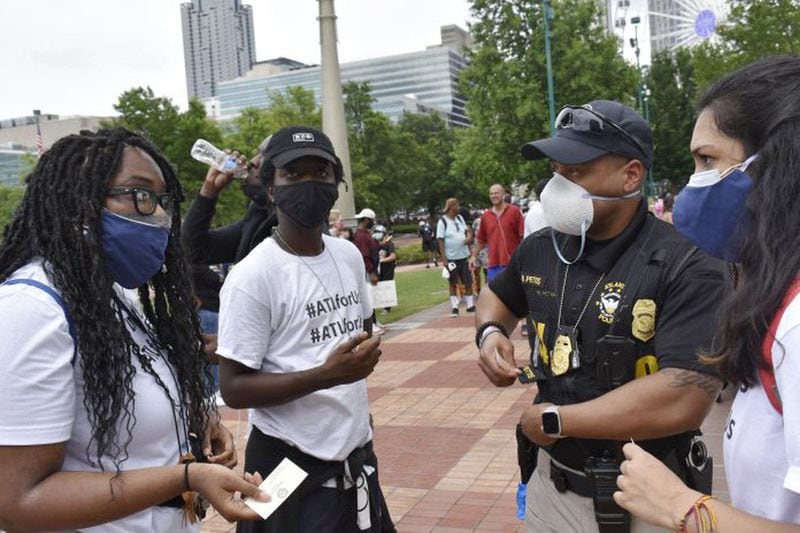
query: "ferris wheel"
686, 22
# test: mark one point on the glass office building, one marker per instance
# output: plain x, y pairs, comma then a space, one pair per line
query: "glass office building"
416, 81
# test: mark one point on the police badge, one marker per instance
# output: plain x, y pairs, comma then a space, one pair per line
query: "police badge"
643, 324
565, 351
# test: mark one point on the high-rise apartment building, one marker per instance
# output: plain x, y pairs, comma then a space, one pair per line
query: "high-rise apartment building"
218, 43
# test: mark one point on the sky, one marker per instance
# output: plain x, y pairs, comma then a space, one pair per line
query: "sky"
75, 57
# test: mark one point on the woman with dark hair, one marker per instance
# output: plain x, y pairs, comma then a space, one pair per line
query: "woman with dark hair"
742, 205
102, 391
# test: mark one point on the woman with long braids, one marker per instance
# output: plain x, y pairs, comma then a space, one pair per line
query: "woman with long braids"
101, 390
743, 205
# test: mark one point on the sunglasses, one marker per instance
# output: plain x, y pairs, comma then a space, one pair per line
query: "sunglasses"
585, 120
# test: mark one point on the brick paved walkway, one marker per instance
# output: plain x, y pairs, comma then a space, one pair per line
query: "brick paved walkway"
444, 435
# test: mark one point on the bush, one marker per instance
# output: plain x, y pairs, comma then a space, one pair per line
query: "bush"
10, 198
410, 254
400, 229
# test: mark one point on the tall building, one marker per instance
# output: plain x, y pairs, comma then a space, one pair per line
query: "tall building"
424, 81
218, 43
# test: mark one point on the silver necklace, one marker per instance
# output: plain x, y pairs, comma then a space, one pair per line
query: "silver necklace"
276, 235
565, 353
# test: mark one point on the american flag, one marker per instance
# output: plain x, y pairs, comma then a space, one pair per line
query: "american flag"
39, 144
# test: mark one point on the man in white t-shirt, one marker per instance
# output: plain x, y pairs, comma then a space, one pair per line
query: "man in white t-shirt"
454, 236
295, 348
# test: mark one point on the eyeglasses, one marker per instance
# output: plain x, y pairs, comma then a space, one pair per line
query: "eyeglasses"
145, 201
583, 119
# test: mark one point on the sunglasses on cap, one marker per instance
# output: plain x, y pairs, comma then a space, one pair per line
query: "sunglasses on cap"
585, 120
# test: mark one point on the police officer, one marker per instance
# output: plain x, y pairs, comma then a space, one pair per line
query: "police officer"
619, 305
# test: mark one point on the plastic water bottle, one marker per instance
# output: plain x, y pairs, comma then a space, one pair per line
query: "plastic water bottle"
522, 490
212, 156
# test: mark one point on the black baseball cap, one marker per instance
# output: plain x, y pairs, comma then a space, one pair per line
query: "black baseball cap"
293, 142
601, 127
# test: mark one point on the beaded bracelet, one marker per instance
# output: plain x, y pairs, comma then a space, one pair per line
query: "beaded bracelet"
484, 326
706, 522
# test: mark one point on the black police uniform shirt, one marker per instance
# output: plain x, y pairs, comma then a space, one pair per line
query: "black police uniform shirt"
670, 316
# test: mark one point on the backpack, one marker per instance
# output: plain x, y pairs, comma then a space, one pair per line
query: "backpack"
767, 375
459, 218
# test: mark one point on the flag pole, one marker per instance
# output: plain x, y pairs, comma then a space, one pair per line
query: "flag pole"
39, 141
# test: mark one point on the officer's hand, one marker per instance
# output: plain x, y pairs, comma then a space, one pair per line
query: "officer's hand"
649, 490
216, 181
531, 421
373, 278
497, 360
353, 359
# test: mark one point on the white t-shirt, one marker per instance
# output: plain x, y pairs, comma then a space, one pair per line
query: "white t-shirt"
454, 234
280, 313
534, 218
762, 448
41, 400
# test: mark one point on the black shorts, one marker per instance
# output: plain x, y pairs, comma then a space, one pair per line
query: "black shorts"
460, 272
430, 246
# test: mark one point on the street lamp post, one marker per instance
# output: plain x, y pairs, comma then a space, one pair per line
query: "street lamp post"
547, 13
635, 44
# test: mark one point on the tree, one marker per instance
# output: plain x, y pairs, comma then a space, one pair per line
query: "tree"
429, 166
173, 133
506, 84
294, 107
754, 29
671, 79
400, 166
375, 152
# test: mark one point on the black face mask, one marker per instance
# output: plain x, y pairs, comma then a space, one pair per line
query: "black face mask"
307, 203
256, 192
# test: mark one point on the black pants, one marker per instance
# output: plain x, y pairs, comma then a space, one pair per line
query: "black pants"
311, 508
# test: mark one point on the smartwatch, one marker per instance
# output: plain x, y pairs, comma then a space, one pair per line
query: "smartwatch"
551, 422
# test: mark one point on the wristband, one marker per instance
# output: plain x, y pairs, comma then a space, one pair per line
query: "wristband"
488, 331
479, 331
705, 522
186, 486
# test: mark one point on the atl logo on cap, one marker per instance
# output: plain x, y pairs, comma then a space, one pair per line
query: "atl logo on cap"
303, 137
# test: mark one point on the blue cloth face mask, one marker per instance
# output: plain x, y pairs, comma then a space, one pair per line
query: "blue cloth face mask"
134, 248
710, 210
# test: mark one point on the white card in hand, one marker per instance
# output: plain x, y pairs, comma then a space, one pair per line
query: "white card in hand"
280, 483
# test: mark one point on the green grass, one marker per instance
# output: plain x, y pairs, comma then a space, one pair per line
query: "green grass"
416, 291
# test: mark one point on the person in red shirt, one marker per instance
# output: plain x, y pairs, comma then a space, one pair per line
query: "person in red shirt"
366, 244
502, 229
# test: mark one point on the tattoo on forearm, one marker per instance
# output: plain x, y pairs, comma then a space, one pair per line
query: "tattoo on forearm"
684, 378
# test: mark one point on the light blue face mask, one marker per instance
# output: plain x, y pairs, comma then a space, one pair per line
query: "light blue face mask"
710, 210
135, 249
568, 209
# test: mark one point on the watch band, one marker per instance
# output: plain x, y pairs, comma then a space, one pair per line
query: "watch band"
551, 420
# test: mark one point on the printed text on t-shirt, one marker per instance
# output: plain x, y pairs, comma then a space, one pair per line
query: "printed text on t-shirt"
330, 304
